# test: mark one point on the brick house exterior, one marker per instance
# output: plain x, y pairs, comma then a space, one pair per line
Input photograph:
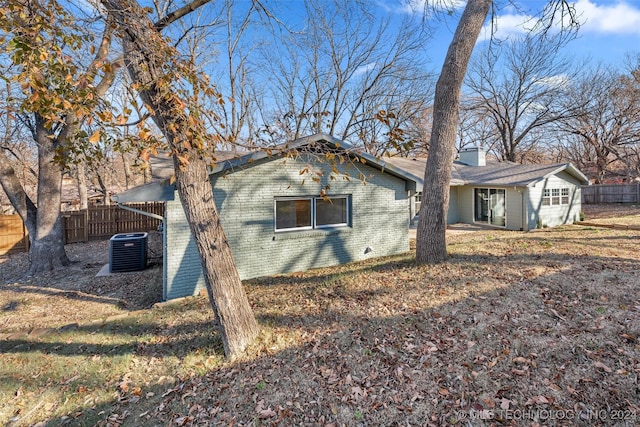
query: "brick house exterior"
253, 194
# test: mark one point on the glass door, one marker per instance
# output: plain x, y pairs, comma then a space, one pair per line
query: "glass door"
490, 206
496, 207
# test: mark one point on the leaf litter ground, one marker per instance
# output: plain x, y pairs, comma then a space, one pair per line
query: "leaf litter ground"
536, 328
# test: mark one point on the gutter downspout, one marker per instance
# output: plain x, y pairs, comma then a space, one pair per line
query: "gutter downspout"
138, 211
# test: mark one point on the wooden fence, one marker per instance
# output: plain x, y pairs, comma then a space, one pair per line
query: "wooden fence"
611, 193
13, 235
95, 223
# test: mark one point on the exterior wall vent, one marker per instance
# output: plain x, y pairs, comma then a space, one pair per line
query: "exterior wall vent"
127, 252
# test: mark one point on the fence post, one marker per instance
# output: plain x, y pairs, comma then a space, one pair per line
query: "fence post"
85, 219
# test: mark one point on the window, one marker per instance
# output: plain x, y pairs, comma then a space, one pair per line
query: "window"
546, 197
330, 213
555, 196
293, 214
311, 212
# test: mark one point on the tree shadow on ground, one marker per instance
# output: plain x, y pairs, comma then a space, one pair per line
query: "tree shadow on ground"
422, 345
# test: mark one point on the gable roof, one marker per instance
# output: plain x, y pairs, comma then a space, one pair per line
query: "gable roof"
228, 161
499, 174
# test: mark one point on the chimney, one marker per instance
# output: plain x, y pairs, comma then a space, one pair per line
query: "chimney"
474, 156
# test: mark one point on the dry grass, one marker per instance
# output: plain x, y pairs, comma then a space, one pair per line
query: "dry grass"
515, 325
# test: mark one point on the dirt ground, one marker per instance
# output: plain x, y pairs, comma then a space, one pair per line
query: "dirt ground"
515, 329
76, 295
611, 210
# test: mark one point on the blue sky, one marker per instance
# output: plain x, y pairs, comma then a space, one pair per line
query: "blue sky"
610, 28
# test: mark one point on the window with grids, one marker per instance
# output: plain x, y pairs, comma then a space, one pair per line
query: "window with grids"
555, 196
311, 212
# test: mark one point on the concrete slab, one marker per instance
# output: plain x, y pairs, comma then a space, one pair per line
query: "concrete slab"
104, 271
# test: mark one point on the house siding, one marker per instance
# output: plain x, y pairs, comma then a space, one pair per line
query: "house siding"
465, 205
551, 216
513, 208
245, 200
452, 213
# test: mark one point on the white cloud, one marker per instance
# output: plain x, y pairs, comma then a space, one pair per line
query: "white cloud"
365, 68
506, 26
619, 17
557, 81
615, 17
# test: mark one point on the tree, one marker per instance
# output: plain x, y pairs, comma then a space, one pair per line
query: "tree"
42, 43
153, 68
604, 133
517, 86
346, 66
431, 245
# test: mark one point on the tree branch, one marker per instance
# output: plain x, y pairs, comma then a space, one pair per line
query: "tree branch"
179, 13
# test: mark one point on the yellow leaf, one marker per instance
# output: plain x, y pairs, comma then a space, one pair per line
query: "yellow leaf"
144, 155
95, 137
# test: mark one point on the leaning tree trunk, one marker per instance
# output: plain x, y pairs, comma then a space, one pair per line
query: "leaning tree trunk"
431, 245
228, 299
47, 247
19, 199
146, 55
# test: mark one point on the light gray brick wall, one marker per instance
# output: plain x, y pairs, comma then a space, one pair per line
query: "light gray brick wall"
245, 199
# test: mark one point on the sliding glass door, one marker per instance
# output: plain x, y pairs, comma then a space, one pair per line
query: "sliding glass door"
490, 206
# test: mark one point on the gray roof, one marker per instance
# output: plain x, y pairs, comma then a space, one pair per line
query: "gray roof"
510, 174
162, 164
499, 174
416, 166
162, 167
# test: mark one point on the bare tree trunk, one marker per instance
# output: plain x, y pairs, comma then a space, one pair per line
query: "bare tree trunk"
17, 196
147, 173
81, 175
106, 200
146, 54
47, 247
228, 299
431, 245
127, 171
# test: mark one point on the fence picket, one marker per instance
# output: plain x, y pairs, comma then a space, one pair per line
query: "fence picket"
611, 193
95, 223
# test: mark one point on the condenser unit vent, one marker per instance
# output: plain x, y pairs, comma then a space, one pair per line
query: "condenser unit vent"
128, 252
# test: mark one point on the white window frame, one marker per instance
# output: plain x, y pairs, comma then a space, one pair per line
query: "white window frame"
291, 199
331, 199
314, 225
557, 194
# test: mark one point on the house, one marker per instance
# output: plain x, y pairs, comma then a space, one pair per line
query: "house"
505, 194
289, 209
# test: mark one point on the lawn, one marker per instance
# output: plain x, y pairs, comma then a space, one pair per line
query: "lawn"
538, 328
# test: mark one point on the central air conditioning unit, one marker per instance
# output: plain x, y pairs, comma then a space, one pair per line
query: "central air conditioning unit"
127, 252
